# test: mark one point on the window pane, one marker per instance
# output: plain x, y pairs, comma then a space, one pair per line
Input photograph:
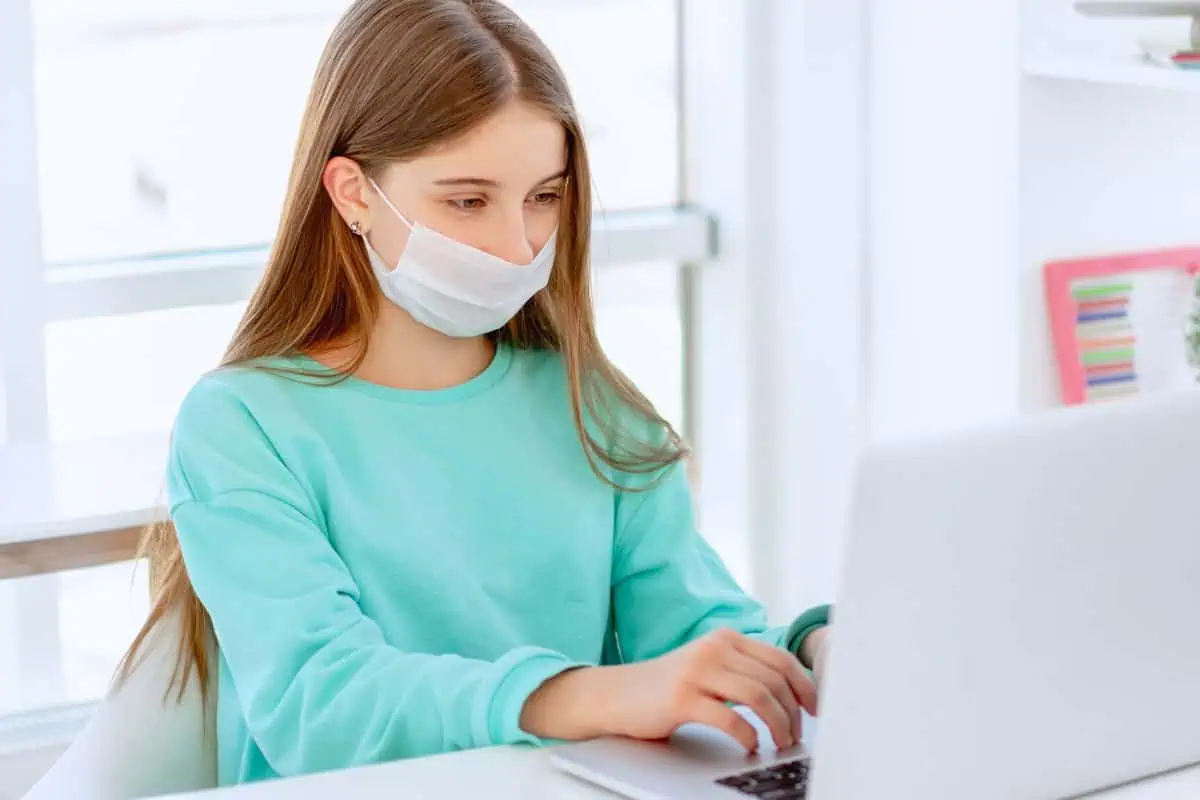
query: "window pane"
100, 611
123, 374
154, 135
69, 656
638, 317
620, 57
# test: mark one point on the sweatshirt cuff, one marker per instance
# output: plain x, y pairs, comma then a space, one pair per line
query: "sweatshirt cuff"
806, 623
523, 671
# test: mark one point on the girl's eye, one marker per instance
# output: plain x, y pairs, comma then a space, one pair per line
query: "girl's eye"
468, 203
545, 198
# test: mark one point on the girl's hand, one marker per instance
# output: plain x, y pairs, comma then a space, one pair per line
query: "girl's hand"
650, 700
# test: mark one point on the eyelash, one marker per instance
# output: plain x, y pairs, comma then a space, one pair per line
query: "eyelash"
469, 205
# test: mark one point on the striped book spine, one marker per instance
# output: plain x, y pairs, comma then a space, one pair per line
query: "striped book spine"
1107, 344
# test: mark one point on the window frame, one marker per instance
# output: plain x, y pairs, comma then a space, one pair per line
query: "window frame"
153, 284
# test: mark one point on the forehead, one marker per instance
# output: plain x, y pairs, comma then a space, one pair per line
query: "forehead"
516, 148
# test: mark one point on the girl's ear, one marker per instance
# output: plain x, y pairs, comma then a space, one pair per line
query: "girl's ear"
346, 184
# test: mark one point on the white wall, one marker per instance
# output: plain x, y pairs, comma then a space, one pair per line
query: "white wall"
1093, 183
944, 84
1104, 168
971, 175
980, 174
775, 148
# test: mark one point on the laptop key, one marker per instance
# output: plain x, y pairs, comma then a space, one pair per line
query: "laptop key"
787, 780
784, 794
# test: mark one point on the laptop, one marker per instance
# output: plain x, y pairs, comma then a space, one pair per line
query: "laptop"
1018, 617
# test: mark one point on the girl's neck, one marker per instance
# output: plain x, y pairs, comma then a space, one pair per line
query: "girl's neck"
404, 354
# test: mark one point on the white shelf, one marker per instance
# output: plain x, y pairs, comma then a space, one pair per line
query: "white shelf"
1126, 71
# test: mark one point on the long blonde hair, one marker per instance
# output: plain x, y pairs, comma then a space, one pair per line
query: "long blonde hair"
396, 78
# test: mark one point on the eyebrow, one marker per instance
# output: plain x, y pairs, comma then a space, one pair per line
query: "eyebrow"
492, 184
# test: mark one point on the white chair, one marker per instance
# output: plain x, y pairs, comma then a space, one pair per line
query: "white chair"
141, 742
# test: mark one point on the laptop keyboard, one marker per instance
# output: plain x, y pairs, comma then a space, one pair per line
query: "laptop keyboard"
787, 780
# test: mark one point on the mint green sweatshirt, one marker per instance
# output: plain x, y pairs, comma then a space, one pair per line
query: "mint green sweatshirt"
391, 573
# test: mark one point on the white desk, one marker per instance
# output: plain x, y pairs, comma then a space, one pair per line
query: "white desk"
77, 504
525, 774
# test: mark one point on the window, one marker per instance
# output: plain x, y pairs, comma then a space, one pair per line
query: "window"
108, 376
162, 159
187, 149
638, 319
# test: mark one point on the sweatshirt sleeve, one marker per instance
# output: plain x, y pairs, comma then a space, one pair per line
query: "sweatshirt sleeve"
318, 685
669, 585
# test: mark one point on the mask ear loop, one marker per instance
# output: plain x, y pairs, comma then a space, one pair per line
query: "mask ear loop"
387, 202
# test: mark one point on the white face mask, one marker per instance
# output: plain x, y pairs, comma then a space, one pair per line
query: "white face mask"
455, 288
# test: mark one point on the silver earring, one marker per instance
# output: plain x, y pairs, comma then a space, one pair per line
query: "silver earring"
356, 228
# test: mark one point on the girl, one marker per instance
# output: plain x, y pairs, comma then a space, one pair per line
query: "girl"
417, 510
